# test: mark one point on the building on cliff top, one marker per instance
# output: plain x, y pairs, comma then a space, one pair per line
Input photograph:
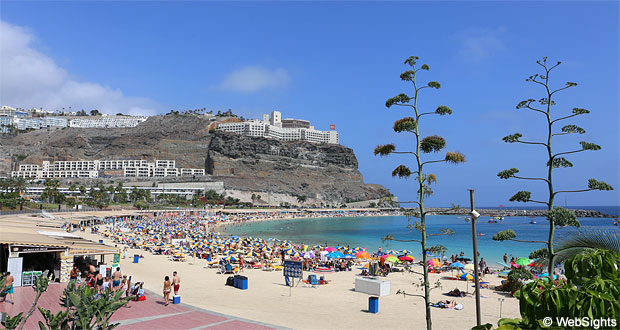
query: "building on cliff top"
274, 127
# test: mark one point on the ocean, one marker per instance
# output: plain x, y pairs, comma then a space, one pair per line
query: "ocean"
368, 232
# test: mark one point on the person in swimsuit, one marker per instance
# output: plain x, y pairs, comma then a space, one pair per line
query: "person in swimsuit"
176, 280
8, 287
167, 290
116, 279
99, 280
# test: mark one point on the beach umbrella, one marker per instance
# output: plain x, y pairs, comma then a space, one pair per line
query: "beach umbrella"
457, 265
363, 255
229, 258
308, 255
387, 256
466, 276
469, 267
503, 273
295, 254
330, 249
405, 258
349, 256
392, 259
523, 261
405, 252
335, 254
536, 265
252, 254
392, 252
434, 263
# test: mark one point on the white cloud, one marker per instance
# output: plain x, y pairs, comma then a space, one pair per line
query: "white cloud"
253, 78
479, 44
29, 78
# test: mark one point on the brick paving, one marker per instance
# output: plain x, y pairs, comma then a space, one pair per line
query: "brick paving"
149, 314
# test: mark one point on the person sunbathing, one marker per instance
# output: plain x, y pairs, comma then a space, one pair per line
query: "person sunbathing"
456, 293
447, 304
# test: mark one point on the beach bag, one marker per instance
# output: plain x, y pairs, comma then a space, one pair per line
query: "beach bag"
230, 281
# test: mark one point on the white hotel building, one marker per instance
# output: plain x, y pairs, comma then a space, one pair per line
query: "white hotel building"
91, 168
275, 127
107, 122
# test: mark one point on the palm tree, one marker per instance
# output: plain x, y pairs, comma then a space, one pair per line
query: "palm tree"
301, 200
586, 240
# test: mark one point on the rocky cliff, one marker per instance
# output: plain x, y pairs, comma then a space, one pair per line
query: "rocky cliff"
321, 172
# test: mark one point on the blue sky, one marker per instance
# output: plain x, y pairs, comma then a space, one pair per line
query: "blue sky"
337, 63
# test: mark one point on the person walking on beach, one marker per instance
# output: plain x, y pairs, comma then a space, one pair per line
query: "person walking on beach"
176, 280
8, 287
167, 285
506, 258
482, 265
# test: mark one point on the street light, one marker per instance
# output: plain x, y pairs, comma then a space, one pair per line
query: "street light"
501, 300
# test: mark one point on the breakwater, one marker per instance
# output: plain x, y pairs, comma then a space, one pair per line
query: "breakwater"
580, 213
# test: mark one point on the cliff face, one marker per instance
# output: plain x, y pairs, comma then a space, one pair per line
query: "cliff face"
182, 138
323, 172
320, 171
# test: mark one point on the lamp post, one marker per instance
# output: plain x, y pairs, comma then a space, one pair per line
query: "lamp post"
475, 215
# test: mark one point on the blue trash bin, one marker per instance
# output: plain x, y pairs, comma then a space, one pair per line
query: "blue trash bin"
100, 241
373, 305
236, 281
242, 282
176, 299
136, 258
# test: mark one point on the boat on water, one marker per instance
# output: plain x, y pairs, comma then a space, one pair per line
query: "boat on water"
533, 222
492, 220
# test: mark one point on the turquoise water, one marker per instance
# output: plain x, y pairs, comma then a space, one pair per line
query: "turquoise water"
368, 232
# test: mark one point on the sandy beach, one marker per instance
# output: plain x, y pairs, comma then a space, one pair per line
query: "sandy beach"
332, 306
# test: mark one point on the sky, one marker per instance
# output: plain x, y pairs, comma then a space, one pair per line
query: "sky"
337, 63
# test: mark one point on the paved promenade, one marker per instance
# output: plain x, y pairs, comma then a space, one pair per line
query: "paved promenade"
150, 314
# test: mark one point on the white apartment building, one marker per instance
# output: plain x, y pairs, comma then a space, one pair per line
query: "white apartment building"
5, 124
120, 164
29, 167
40, 174
38, 123
165, 163
192, 171
7, 111
91, 168
285, 130
80, 165
107, 122
162, 172
137, 172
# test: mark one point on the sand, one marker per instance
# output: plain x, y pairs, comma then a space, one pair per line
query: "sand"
332, 306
